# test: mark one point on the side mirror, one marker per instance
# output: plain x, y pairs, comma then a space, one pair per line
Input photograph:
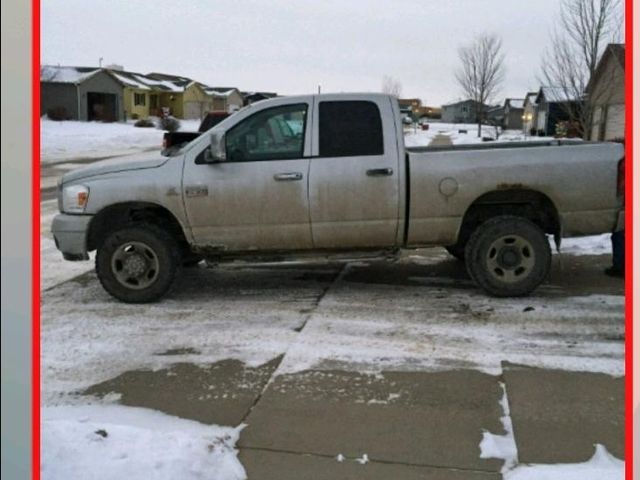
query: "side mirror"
216, 152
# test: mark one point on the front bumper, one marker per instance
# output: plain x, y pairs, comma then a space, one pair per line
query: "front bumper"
70, 234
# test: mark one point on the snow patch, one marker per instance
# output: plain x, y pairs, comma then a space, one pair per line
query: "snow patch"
602, 466
502, 446
115, 442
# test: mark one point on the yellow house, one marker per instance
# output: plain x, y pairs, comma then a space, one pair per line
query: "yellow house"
183, 97
135, 94
195, 101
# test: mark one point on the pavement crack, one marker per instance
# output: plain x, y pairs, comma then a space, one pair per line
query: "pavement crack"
299, 329
370, 460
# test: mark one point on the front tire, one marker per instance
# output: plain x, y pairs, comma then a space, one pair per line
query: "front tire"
508, 256
138, 263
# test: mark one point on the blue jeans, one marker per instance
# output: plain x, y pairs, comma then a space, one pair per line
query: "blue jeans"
617, 247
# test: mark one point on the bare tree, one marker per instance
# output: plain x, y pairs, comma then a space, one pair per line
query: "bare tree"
481, 72
584, 29
391, 86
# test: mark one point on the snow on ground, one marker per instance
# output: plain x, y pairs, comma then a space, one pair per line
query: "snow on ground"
591, 245
602, 466
462, 133
72, 140
112, 442
439, 328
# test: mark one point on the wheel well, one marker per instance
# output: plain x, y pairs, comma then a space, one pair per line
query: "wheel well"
115, 216
529, 204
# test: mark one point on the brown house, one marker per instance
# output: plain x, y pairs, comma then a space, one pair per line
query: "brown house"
605, 94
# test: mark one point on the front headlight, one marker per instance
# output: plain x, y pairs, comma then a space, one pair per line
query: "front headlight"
74, 198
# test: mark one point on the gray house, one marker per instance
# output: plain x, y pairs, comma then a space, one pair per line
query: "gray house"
605, 94
462, 112
80, 93
554, 105
513, 113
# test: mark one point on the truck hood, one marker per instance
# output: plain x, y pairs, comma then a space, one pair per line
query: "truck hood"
113, 165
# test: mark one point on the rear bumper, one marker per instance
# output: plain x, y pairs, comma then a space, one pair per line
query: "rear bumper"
70, 234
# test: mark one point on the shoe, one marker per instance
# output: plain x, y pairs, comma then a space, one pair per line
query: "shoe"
614, 272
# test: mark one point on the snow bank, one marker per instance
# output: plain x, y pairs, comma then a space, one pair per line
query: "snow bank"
72, 140
116, 442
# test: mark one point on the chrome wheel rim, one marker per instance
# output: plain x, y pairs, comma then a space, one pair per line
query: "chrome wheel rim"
135, 265
510, 259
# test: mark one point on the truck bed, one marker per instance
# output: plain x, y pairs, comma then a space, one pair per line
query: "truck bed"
579, 180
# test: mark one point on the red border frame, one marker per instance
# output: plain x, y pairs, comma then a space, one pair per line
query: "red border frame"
35, 240
629, 234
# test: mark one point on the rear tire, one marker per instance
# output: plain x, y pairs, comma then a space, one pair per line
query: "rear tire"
508, 256
138, 263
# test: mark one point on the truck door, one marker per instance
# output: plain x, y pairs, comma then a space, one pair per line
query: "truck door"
354, 177
258, 198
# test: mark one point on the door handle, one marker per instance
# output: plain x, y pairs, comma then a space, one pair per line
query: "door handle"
287, 177
380, 172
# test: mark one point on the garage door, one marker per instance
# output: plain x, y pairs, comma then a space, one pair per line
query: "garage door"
192, 110
615, 122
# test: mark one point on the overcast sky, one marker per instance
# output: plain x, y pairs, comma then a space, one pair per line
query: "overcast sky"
293, 46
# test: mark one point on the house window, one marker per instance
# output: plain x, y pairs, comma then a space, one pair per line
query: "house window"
139, 99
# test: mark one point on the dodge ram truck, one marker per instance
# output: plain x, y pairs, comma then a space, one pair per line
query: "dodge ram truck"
329, 176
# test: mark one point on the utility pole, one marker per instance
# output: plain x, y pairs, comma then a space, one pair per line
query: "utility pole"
318, 89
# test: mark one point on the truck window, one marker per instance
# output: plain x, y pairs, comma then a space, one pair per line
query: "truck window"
350, 128
268, 135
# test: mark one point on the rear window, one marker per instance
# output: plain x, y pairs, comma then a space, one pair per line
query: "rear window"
350, 128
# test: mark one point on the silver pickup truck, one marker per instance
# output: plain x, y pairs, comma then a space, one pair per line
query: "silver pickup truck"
329, 175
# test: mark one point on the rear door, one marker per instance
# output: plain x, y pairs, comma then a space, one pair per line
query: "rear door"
354, 177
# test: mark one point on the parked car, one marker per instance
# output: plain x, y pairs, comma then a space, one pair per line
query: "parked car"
172, 141
329, 175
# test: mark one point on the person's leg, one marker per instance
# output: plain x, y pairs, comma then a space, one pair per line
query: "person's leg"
617, 247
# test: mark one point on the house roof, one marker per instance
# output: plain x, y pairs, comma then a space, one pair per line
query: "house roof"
461, 102
129, 79
530, 99
514, 102
260, 94
555, 95
613, 50
73, 75
220, 91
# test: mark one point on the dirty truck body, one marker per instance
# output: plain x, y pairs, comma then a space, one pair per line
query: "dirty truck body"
329, 175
